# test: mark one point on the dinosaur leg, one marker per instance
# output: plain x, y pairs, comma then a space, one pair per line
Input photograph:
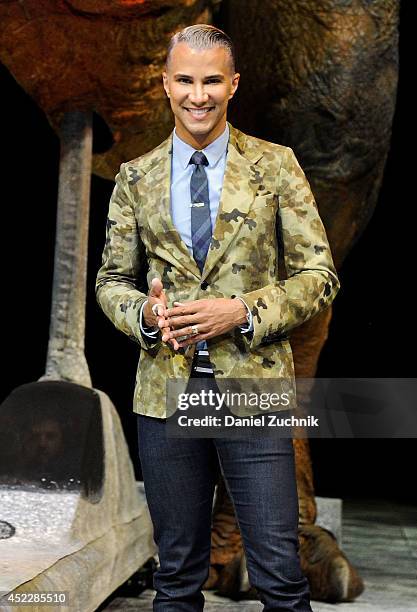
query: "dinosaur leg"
331, 576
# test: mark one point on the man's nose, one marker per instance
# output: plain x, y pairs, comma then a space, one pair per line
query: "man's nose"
198, 95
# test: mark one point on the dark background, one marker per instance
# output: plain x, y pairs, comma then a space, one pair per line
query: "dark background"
372, 332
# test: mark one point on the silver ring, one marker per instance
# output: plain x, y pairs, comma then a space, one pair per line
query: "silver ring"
194, 330
155, 309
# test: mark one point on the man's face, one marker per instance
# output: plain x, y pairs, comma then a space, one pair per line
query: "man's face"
199, 84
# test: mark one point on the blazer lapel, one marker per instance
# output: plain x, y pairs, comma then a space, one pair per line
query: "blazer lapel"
155, 193
240, 184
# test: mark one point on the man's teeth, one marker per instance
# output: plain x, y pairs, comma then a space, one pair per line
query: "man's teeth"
198, 112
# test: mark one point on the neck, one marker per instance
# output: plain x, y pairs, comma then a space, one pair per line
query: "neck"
199, 141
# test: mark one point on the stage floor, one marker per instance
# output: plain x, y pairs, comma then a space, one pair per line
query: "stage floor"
379, 538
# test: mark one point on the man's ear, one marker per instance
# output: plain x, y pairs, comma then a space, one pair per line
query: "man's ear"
235, 83
165, 82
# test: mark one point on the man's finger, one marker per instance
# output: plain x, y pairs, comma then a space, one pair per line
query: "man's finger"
156, 287
156, 290
179, 322
184, 331
193, 340
175, 344
185, 309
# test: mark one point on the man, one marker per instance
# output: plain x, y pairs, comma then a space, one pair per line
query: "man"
201, 211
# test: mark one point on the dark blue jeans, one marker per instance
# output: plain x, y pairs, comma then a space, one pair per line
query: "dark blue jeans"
179, 479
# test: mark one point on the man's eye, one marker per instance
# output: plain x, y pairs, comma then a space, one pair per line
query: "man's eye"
208, 81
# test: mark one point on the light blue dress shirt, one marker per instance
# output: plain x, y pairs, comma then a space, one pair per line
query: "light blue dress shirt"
181, 171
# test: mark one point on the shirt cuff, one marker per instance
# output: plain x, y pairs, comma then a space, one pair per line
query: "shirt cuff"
249, 327
151, 332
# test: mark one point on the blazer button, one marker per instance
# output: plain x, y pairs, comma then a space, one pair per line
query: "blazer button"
204, 285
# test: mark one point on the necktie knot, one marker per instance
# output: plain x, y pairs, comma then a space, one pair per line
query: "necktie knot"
199, 159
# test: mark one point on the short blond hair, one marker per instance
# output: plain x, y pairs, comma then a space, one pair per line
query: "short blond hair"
203, 36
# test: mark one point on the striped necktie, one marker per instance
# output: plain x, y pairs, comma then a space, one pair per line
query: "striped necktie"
201, 230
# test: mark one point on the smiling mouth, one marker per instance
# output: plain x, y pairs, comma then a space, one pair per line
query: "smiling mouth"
198, 111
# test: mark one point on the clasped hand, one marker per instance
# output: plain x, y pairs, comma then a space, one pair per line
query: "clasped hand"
212, 317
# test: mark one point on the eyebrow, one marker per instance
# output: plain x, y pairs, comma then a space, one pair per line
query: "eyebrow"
211, 76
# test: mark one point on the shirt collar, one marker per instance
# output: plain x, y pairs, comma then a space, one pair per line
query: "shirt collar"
183, 151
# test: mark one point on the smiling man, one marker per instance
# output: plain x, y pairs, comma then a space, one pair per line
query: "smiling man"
202, 211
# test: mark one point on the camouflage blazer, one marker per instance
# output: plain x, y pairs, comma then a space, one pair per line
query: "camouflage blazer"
264, 190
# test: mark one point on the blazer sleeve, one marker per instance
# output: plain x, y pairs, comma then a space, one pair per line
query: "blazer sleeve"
312, 282
122, 260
